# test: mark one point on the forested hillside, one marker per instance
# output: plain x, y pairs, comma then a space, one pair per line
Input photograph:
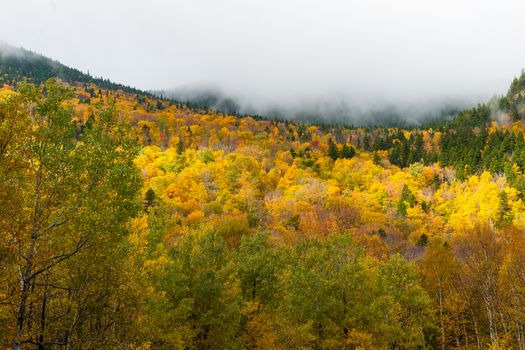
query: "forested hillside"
131, 222
18, 64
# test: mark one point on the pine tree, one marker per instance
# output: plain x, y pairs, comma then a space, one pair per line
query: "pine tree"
333, 152
347, 152
181, 147
149, 199
406, 200
423, 240
505, 214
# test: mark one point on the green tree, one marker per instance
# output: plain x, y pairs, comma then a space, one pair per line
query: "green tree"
181, 147
72, 197
199, 297
347, 152
505, 214
406, 305
423, 240
260, 266
149, 199
406, 200
333, 152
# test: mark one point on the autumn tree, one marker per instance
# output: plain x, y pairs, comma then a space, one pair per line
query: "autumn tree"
441, 279
198, 298
66, 197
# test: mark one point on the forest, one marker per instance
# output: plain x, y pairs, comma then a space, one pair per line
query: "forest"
129, 221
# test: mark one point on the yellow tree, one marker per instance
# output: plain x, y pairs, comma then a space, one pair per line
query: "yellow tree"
67, 193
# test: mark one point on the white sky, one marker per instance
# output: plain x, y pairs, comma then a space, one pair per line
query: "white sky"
283, 50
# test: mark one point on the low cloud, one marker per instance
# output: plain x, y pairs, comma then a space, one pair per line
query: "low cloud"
335, 107
332, 58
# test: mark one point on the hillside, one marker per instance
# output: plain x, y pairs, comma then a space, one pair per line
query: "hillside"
217, 231
19, 64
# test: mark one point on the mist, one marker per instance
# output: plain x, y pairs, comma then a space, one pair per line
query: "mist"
346, 61
335, 107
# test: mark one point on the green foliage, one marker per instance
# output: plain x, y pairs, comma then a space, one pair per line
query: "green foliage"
82, 266
408, 318
149, 199
181, 147
423, 240
406, 200
348, 152
261, 265
333, 152
66, 199
505, 215
335, 289
201, 300
517, 86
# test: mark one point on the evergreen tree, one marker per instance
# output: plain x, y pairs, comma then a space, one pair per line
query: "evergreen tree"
505, 214
149, 199
181, 147
406, 200
347, 152
333, 152
423, 240
395, 156
366, 143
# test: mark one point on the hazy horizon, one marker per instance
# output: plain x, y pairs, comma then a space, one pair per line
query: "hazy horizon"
409, 55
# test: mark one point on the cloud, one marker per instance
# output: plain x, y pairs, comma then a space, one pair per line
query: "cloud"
285, 53
8, 50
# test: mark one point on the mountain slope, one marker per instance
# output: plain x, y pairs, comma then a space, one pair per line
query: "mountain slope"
18, 64
254, 234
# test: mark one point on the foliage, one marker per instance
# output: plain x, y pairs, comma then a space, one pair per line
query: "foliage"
212, 231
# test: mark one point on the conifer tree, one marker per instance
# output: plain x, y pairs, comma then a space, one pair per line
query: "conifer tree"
333, 152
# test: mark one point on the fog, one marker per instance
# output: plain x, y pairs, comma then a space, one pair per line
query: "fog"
338, 59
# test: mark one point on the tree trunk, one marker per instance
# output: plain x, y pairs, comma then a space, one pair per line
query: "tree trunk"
43, 317
27, 271
442, 325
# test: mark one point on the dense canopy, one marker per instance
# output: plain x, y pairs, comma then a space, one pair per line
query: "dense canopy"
133, 222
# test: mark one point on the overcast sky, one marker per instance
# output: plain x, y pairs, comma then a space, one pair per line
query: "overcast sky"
283, 50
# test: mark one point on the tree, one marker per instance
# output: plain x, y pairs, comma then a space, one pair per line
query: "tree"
423, 240
149, 199
68, 197
347, 152
441, 279
406, 307
406, 200
327, 286
260, 267
181, 147
505, 213
333, 296
197, 298
333, 152
480, 253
